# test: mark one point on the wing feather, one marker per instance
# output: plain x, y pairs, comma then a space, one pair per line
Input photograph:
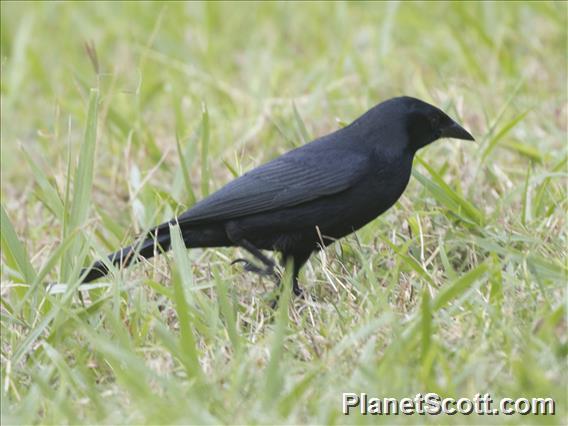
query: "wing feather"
292, 179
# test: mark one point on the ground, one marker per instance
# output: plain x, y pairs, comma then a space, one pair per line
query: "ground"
115, 116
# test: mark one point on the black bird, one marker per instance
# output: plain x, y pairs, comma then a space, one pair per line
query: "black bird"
309, 197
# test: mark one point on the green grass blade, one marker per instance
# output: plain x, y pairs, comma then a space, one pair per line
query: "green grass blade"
501, 134
57, 305
47, 193
83, 179
59, 252
187, 341
447, 196
231, 169
55, 257
426, 323
526, 215
160, 289
273, 374
13, 249
530, 152
227, 311
185, 172
416, 266
458, 287
26, 345
204, 151
181, 259
294, 397
301, 126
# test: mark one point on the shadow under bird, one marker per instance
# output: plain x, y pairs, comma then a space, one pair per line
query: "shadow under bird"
309, 197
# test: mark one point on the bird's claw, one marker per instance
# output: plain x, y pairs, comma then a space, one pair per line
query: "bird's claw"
298, 292
251, 267
239, 260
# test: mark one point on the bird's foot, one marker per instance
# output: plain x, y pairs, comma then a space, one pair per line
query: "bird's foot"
298, 292
274, 303
251, 267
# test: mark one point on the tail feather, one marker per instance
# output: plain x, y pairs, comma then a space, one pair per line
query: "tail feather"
159, 239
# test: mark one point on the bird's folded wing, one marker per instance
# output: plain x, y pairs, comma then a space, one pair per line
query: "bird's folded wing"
284, 182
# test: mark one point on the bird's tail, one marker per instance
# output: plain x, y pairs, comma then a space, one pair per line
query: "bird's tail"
156, 240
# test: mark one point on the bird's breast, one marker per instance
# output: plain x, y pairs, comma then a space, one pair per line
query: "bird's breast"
390, 181
333, 216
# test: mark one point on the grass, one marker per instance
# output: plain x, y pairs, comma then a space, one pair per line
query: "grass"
459, 289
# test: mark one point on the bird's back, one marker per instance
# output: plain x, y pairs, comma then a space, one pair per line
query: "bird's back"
320, 168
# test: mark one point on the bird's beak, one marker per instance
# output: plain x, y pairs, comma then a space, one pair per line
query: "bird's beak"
456, 131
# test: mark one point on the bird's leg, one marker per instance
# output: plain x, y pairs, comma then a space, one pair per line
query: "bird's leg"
298, 260
298, 292
269, 264
296, 288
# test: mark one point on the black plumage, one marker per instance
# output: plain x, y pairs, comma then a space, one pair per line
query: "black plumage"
310, 196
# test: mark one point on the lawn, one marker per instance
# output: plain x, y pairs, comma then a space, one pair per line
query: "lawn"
116, 116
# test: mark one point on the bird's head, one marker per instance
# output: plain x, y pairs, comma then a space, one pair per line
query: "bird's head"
425, 123
421, 122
